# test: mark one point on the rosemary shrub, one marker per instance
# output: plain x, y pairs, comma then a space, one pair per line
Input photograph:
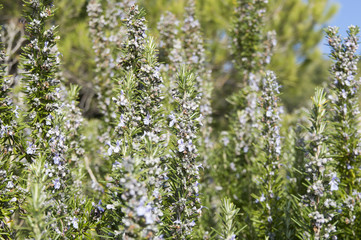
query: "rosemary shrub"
154, 164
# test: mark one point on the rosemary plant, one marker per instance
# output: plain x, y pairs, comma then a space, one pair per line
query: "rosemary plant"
345, 137
182, 198
252, 49
319, 204
137, 150
10, 148
47, 150
228, 216
268, 216
154, 167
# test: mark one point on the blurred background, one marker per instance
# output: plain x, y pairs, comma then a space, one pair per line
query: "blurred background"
300, 60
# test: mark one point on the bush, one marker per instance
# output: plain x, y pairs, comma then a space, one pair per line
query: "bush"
152, 165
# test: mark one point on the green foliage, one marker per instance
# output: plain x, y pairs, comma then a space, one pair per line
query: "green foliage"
10, 148
183, 200
37, 225
318, 204
247, 36
229, 212
159, 155
345, 136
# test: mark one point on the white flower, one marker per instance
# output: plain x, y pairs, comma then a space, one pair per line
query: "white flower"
334, 182
173, 121
147, 120
262, 198
110, 206
112, 149
74, 221
194, 59
46, 48
49, 119
56, 159
149, 218
16, 112
225, 141
121, 121
123, 100
56, 183
156, 193
190, 145
344, 94
245, 149
10, 184
233, 166
200, 119
233, 237
269, 112
30, 149
141, 210
181, 145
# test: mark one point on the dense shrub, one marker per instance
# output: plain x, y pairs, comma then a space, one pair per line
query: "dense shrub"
153, 166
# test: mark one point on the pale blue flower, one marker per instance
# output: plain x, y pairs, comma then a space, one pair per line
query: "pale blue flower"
56, 183
56, 159
30, 149
334, 182
262, 198
112, 149
181, 145
74, 221
147, 120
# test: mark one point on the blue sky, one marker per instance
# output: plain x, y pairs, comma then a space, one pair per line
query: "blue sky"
349, 12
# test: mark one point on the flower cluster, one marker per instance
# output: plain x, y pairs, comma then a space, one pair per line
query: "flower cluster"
148, 166
171, 54
139, 96
183, 199
9, 146
139, 99
346, 145
252, 53
72, 126
41, 85
346, 111
139, 129
168, 31
45, 147
271, 117
192, 39
52, 143
271, 199
40, 70
252, 50
9, 112
187, 47
318, 204
107, 33
247, 36
141, 214
194, 50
